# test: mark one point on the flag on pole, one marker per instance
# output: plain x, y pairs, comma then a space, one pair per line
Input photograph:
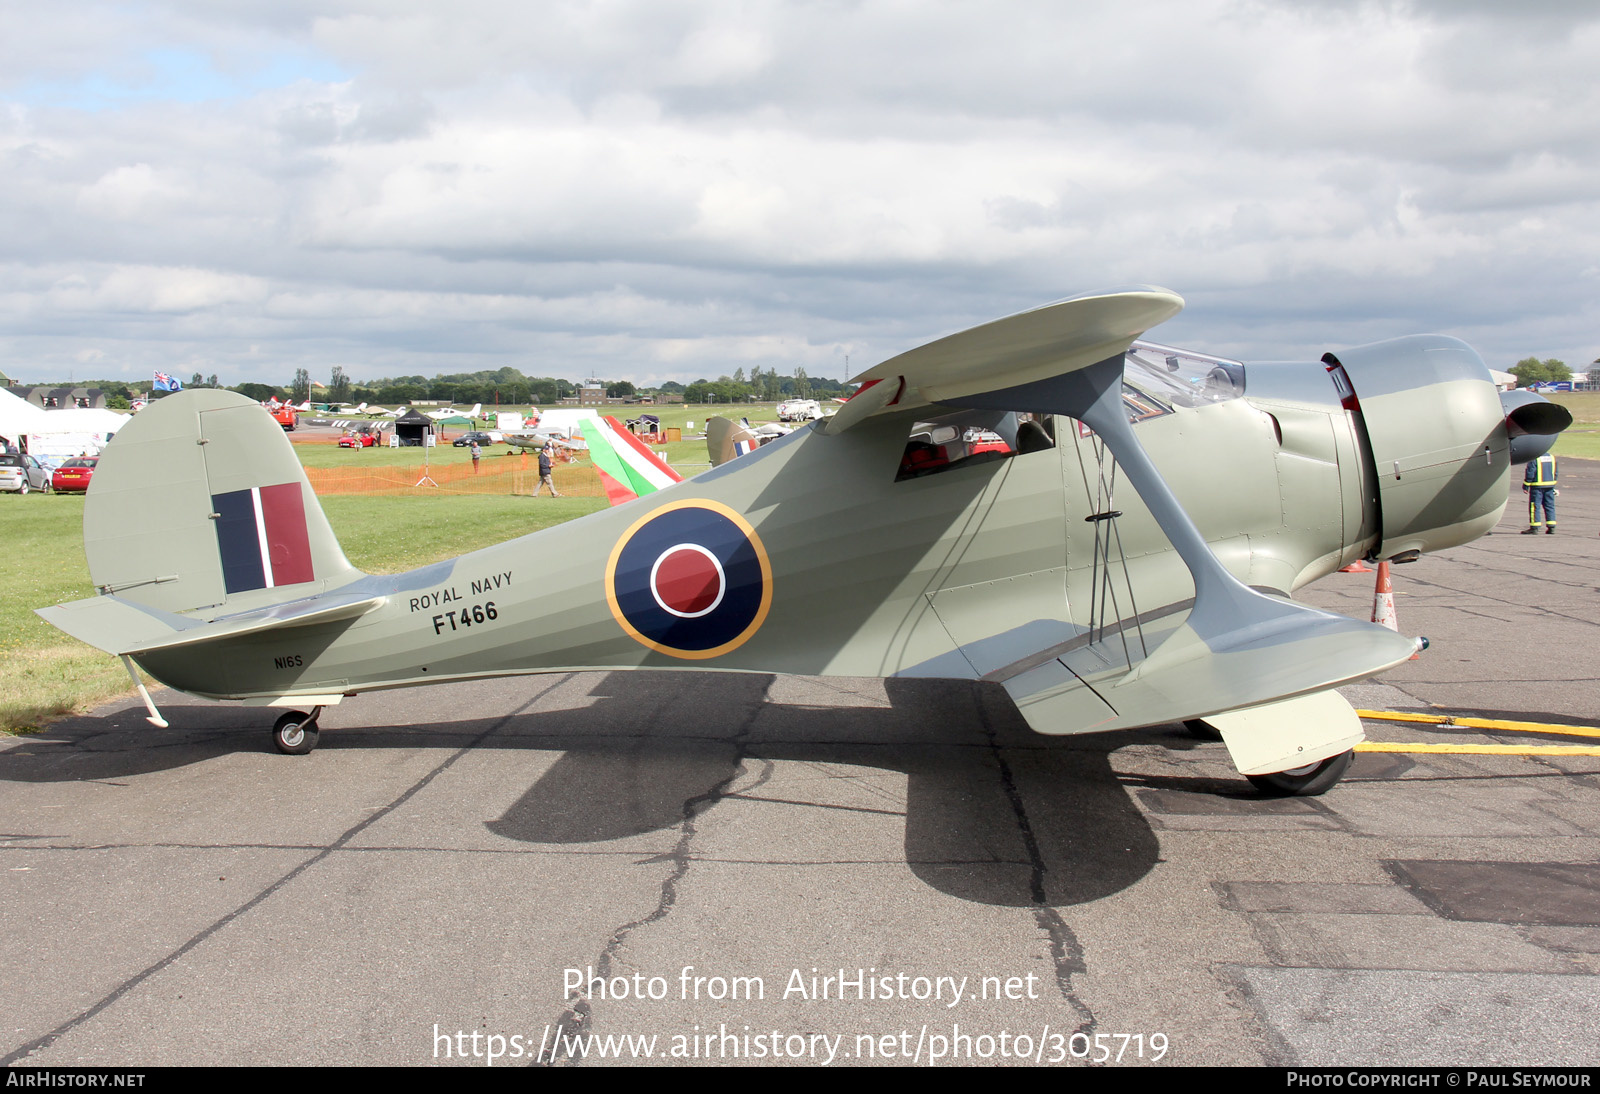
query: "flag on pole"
167, 383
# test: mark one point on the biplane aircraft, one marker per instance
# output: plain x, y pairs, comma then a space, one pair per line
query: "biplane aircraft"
1108, 529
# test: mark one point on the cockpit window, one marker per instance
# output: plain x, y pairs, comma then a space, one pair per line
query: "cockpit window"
1181, 377
969, 437
1140, 406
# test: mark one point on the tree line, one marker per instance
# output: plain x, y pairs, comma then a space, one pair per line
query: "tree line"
506, 387
1531, 370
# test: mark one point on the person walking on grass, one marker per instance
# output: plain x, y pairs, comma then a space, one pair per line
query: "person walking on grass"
547, 461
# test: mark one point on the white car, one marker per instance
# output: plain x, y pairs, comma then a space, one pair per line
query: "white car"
799, 410
20, 474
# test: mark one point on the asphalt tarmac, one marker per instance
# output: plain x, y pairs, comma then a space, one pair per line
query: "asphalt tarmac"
655, 867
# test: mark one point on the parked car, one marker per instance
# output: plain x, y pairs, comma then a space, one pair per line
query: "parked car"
357, 440
19, 474
73, 476
484, 439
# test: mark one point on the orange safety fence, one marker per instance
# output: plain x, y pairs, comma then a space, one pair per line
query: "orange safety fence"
499, 475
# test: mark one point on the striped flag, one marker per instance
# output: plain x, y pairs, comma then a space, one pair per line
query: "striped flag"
627, 466
261, 535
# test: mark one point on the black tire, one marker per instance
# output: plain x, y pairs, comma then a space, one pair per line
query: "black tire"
295, 734
1304, 782
25, 487
1202, 729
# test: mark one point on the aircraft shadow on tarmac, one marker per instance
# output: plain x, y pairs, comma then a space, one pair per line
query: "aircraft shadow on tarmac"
992, 812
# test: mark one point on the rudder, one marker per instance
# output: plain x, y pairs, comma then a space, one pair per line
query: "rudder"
201, 502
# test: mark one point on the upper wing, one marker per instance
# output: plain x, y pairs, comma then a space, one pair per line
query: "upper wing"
1235, 647
1023, 348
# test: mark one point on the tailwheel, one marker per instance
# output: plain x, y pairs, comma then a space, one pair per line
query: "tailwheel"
295, 734
1304, 782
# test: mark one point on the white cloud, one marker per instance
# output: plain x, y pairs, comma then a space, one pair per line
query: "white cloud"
632, 187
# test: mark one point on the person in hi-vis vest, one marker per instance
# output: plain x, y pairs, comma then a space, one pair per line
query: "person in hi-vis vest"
1540, 485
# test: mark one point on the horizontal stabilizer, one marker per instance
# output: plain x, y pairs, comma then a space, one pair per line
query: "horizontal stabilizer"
119, 626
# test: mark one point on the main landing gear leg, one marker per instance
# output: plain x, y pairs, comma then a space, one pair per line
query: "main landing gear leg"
295, 734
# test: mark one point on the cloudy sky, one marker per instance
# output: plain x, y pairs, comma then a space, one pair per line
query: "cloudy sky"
670, 189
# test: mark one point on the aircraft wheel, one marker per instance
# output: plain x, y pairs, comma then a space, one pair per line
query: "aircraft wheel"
1304, 782
1202, 729
295, 734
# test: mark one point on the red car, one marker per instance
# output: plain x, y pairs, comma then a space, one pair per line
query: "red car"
73, 476
357, 440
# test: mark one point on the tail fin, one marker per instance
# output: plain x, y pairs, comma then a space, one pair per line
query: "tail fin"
725, 440
200, 504
628, 468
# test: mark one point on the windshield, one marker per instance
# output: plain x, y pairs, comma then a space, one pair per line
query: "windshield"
1182, 376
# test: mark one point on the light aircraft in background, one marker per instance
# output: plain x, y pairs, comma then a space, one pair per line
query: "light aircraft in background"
1124, 557
451, 412
535, 439
564, 425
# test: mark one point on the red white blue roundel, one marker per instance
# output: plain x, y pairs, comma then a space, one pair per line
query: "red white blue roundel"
690, 580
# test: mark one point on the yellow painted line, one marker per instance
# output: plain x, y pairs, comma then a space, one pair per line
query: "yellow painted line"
1448, 722
1481, 750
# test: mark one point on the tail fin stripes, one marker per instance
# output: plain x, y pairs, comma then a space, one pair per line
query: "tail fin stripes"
261, 535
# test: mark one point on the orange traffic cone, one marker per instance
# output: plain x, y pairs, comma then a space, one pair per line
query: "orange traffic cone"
1383, 600
1356, 567
1383, 612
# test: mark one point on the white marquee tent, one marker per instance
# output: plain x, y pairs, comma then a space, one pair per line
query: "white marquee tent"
55, 435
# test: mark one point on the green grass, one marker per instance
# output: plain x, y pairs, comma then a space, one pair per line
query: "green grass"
1579, 442
1585, 405
43, 672
434, 528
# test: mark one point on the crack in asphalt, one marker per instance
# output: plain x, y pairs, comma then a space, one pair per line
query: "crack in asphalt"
46, 1040
1065, 950
575, 1019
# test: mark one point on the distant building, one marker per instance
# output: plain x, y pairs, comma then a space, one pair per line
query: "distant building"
63, 398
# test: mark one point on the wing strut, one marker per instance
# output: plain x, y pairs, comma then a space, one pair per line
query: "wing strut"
1269, 648
1108, 536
